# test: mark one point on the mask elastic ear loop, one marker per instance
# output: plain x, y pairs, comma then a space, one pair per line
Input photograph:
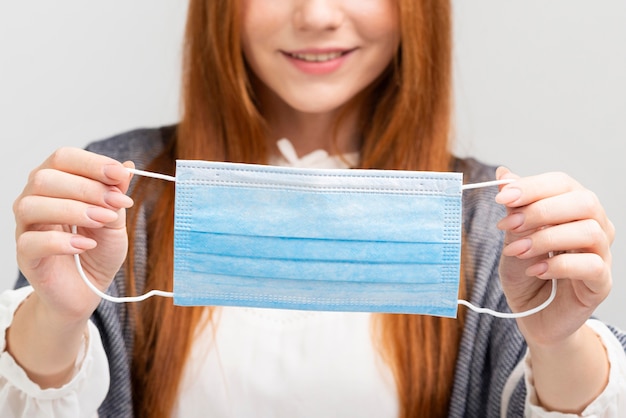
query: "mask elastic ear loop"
506, 315
512, 315
110, 298
124, 299
151, 174
162, 293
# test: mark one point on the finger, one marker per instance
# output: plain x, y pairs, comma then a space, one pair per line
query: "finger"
37, 210
59, 184
582, 267
32, 246
569, 207
582, 236
88, 164
528, 190
125, 185
504, 173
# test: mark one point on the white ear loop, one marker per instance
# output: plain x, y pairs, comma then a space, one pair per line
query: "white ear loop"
510, 315
110, 298
123, 299
151, 174
162, 293
507, 315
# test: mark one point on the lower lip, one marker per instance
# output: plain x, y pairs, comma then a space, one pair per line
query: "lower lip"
318, 68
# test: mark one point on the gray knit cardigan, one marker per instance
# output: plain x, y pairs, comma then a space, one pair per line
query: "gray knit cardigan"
490, 348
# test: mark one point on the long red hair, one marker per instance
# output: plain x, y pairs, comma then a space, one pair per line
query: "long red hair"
404, 124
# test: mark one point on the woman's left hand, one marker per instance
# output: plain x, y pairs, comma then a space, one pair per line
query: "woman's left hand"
552, 214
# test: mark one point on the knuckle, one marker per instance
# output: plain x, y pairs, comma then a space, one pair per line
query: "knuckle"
58, 157
20, 244
543, 210
561, 177
32, 173
561, 263
593, 233
22, 206
588, 202
80, 190
610, 231
609, 278
16, 205
597, 267
38, 181
548, 238
26, 246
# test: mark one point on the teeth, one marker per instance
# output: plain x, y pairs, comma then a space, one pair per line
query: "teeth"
317, 57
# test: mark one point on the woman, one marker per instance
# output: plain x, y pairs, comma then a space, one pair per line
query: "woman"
368, 82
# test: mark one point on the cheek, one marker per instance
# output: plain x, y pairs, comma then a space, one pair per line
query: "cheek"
262, 18
387, 27
250, 26
379, 22
260, 34
384, 42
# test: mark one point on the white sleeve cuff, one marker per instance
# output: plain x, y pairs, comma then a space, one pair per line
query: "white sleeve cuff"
80, 397
611, 403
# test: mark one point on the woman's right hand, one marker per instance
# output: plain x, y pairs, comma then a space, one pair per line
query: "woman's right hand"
72, 187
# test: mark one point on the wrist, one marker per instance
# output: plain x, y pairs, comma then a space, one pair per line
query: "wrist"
57, 319
45, 344
569, 374
549, 347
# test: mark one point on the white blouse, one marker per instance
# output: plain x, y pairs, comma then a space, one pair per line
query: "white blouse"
300, 365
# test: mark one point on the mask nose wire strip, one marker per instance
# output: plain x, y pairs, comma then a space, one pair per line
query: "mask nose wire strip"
162, 293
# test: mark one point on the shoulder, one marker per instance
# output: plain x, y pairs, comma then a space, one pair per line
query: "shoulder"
140, 145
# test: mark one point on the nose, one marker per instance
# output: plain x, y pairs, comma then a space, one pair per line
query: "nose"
318, 15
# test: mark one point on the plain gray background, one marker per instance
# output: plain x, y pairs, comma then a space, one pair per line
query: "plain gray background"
540, 86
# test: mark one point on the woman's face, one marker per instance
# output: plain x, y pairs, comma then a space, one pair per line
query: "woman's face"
316, 55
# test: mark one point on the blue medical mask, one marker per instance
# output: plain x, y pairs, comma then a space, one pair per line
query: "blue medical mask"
325, 239
316, 239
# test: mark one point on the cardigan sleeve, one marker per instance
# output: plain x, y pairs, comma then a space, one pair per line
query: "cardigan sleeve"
80, 397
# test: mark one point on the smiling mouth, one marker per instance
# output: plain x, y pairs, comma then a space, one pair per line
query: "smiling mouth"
316, 57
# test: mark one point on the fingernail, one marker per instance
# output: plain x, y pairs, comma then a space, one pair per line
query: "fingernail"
115, 172
508, 195
537, 269
518, 247
511, 222
99, 214
82, 243
118, 199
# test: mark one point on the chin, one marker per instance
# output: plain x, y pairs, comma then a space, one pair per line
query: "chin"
316, 107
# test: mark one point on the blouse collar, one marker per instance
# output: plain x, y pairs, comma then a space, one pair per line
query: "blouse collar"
315, 159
